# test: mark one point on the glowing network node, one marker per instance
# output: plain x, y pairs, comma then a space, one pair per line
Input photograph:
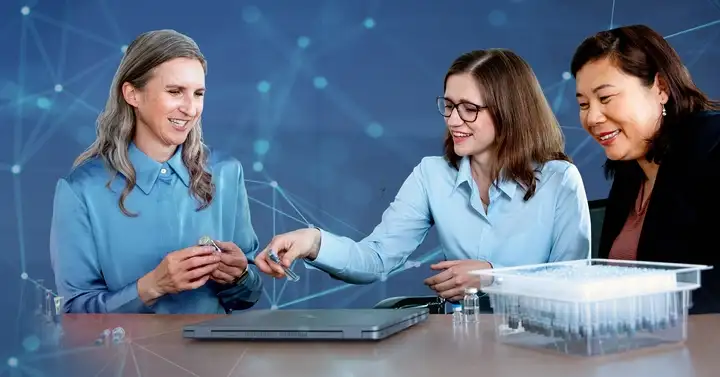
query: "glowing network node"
43, 103
261, 146
369, 23
320, 82
25, 10
274, 184
12, 362
374, 130
31, 343
303, 42
258, 166
263, 86
16, 169
24, 276
566, 76
273, 307
58, 88
123, 48
251, 14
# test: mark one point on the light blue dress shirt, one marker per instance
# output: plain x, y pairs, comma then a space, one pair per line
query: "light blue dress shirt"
554, 225
98, 253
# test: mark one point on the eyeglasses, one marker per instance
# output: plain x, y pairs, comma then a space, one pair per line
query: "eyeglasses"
467, 111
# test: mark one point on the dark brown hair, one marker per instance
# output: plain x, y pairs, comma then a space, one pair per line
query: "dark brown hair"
526, 130
640, 51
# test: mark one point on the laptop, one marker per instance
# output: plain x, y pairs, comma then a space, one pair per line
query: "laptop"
308, 324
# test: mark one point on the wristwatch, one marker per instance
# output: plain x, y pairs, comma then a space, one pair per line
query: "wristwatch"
240, 279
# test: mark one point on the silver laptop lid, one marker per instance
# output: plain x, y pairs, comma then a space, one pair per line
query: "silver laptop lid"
313, 319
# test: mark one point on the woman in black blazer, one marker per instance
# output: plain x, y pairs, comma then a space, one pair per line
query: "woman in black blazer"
661, 135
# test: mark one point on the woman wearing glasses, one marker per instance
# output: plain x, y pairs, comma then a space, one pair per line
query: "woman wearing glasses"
503, 194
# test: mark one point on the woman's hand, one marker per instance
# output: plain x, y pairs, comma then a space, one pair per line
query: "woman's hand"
181, 270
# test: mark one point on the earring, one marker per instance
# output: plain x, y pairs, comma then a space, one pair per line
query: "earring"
664, 112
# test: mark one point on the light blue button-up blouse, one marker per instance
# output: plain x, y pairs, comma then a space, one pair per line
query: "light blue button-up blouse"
554, 225
98, 253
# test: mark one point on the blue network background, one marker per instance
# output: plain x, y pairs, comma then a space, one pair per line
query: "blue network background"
328, 104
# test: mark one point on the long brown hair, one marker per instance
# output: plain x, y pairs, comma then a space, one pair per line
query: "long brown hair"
527, 131
116, 124
639, 51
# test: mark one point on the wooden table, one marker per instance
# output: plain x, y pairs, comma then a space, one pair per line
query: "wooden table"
154, 347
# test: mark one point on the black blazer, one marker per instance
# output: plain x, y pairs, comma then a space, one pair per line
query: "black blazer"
682, 222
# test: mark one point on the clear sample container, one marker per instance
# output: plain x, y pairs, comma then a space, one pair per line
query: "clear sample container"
457, 315
593, 306
471, 305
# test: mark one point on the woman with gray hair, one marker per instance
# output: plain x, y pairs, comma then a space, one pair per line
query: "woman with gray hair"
127, 219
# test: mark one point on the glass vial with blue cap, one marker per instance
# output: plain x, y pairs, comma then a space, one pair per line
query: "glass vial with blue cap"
457, 314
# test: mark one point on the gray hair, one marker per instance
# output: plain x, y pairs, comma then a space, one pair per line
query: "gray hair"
116, 123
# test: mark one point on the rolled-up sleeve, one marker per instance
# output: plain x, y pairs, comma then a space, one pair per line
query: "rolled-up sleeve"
74, 259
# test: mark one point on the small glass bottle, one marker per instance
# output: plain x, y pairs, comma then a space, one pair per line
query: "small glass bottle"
471, 305
457, 315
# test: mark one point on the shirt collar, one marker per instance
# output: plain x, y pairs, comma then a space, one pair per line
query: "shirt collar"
147, 170
464, 175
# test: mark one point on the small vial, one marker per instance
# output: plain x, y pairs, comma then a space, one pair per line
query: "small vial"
471, 305
103, 338
118, 335
288, 272
207, 241
457, 315
58, 301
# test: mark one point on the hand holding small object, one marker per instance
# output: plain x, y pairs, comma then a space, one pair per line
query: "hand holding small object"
233, 262
181, 270
207, 241
292, 276
276, 258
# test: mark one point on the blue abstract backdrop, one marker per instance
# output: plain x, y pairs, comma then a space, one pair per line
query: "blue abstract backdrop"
328, 104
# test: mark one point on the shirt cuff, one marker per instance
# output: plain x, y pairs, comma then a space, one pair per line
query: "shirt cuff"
333, 255
241, 295
127, 300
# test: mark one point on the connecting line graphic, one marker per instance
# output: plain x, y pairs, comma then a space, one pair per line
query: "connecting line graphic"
695, 28
38, 285
299, 217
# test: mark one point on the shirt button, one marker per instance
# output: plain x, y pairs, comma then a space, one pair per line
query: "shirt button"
163, 171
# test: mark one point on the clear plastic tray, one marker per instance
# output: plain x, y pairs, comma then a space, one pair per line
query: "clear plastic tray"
591, 307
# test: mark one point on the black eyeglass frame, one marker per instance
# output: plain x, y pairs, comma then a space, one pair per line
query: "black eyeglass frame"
441, 101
